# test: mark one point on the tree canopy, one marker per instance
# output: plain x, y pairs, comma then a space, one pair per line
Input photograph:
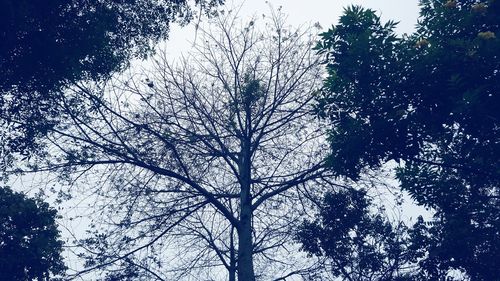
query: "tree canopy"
192, 164
429, 101
47, 46
30, 245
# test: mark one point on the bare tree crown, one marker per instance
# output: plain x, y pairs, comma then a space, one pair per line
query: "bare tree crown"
211, 156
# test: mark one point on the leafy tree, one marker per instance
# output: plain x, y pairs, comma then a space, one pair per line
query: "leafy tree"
199, 169
429, 101
357, 244
30, 248
46, 46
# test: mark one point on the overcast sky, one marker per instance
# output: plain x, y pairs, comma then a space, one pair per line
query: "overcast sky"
325, 12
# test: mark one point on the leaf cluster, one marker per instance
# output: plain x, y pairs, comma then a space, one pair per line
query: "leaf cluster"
30, 245
360, 245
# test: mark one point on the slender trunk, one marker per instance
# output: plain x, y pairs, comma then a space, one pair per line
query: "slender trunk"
245, 247
232, 274
245, 241
232, 259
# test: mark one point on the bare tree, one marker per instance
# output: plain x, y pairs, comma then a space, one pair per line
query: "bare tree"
205, 163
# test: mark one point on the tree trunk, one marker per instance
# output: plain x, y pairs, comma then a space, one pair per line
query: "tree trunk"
245, 246
245, 241
232, 274
232, 257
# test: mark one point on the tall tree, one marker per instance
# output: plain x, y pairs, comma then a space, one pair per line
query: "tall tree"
204, 164
30, 245
48, 45
429, 101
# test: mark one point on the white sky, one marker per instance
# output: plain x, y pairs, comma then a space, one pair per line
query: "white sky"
325, 12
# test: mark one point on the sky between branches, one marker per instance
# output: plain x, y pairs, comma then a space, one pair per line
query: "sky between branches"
300, 12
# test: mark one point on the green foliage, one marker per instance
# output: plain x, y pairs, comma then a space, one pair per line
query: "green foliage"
48, 45
429, 101
362, 65
30, 248
359, 245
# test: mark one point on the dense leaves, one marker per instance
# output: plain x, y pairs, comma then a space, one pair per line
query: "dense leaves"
30, 248
361, 65
48, 45
359, 245
429, 101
